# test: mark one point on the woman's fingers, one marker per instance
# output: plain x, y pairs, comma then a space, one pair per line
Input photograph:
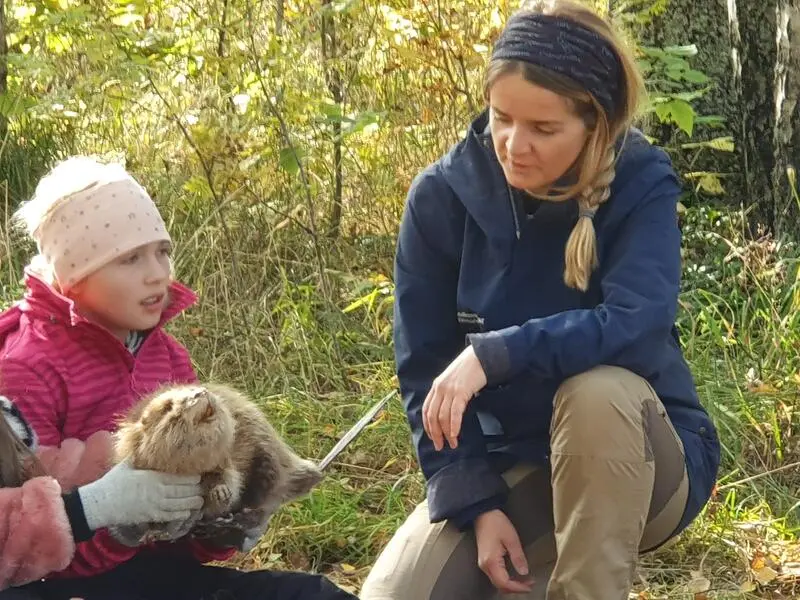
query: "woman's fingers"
444, 415
495, 569
426, 413
457, 410
434, 428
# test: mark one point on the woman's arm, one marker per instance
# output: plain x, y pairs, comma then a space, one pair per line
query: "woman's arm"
640, 285
461, 483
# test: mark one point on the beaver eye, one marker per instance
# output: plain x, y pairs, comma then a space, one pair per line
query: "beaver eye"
209, 412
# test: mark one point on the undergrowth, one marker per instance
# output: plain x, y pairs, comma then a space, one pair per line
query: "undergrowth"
317, 359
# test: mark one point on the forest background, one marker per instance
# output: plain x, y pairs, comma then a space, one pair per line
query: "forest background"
280, 137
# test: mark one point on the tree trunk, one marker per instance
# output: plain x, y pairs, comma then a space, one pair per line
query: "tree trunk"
329, 52
3, 49
786, 138
757, 87
3, 66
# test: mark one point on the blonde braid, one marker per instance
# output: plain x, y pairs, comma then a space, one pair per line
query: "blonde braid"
581, 253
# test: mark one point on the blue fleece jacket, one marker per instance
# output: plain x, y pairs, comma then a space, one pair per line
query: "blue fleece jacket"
473, 265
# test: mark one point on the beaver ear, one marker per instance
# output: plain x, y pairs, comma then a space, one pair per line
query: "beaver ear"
302, 479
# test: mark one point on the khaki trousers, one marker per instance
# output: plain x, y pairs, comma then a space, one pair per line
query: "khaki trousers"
617, 487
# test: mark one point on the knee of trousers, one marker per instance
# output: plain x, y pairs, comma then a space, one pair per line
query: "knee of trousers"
409, 565
602, 412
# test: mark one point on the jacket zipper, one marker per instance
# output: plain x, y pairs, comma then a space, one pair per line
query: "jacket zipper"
513, 210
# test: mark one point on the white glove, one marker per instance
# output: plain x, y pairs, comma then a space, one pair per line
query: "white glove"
126, 496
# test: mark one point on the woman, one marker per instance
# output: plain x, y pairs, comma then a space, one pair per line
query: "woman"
567, 436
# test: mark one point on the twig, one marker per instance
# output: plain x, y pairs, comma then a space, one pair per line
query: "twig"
758, 476
284, 128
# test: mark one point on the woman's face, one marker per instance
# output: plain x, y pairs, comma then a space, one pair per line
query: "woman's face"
537, 134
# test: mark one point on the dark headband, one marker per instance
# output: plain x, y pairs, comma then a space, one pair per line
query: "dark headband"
567, 48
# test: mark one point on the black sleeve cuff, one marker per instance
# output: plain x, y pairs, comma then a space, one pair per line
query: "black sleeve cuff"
76, 517
464, 484
465, 519
493, 353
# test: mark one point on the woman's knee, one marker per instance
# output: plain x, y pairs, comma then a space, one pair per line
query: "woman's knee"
411, 563
602, 392
603, 407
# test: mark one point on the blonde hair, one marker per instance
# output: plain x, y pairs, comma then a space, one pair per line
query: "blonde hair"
68, 177
596, 163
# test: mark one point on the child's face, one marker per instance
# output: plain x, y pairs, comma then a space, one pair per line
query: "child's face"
129, 293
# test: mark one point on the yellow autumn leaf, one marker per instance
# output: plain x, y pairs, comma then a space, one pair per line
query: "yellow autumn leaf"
748, 586
765, 575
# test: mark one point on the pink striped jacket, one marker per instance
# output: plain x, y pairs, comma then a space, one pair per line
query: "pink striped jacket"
71, 378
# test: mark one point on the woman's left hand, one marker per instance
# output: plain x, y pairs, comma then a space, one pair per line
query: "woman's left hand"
448, 397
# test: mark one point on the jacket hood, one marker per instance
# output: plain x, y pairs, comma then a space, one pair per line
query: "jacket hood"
472, 170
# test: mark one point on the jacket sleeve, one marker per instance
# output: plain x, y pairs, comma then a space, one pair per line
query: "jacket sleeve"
35, 534
460, 482
640, 283
40, 396
74, 463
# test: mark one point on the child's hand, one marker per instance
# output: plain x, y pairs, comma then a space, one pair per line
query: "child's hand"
127, 496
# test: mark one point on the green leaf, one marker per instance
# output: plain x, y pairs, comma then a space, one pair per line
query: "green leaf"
683, 115
689, 96
198, 186
723, 144
713, 120
652, 52
690, 50
675, 74
12, 105
332, 112
289, 159
362, 121
695, 76
678, 112
674, 62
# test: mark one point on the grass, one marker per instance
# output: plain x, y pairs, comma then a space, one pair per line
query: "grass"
315, 368
311, 344
739, 334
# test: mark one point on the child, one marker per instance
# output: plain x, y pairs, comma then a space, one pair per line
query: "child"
87, 341
40, 524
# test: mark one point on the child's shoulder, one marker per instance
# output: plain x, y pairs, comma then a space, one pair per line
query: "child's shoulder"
29, 339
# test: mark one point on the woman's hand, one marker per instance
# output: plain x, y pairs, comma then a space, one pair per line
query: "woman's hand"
496, 538
448, 397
